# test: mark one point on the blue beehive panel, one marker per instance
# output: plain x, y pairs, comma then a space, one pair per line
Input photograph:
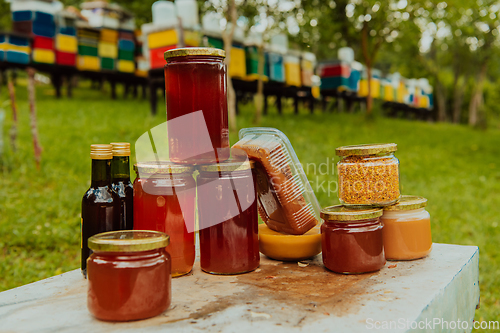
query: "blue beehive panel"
70, 31
44, 29
276, 67
17, 57
44, 17
22, 15
2, 55
334, 82
354, 79
19, 41
126, 45
2, 39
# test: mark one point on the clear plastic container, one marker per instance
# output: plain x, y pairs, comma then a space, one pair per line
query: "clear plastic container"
286, 201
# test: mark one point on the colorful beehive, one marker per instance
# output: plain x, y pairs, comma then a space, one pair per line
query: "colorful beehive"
355, 76
126, 52
107, 48
252, 63
334, 75
66, 42
36, 18
292, 69
387, 90
307, 64
237, 65
375, 84
157, 40
276, 66
14, 48
88, 42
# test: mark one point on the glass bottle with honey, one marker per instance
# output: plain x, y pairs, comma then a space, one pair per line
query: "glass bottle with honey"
120, 181
100, 204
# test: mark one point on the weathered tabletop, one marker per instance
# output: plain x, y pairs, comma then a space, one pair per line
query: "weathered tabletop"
277, 297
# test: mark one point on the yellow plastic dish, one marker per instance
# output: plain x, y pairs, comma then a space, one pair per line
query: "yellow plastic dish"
284, 247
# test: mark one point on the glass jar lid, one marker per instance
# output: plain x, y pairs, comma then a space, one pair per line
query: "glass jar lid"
228, 166
342, 213
367, 149
162, 167
194, 51
408, 202
128, 241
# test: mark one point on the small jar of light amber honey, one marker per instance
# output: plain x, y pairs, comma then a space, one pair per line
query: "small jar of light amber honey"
407, 229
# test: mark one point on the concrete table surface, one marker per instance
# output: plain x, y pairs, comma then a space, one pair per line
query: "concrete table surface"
277, 297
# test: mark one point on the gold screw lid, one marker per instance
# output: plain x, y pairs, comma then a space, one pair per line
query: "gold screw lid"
227, 166
194, 51
121, 148
341, 213
162, 167
367, 149
101, 152
128, 241
408, 202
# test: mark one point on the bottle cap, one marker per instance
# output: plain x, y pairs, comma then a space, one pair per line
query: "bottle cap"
121, 148
101, 152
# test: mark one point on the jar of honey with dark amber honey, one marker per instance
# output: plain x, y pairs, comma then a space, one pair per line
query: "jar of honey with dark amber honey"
129, 275
227, 207
164, 200
196, 98
352, 240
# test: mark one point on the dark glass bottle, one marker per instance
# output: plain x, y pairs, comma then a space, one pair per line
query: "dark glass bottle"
100, 204
120, 181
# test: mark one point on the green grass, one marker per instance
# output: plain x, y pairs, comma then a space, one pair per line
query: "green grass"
455, 167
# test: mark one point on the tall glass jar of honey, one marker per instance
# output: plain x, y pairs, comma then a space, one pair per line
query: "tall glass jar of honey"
164, 200
196, 98
227, 207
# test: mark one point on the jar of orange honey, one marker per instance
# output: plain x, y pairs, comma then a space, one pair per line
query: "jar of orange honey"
407, 229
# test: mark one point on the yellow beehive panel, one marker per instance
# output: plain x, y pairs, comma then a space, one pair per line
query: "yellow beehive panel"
375, 85
162, 38
65, 43
126, 66
388, 93
12, 47
141, 73
292, 74
88, 63
315, 91
107, 50
237, 67
108, 35
192, 38
423, 102
363, 88
401, 92
44, 56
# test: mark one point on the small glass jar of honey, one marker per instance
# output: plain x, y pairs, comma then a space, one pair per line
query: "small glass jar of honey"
352, 240
129, 275
407, 229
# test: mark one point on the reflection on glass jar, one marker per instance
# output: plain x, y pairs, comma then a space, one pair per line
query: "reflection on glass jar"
164, 200
228, 219
352, 240
368, 175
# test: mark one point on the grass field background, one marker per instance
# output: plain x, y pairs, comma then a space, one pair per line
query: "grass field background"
455, 167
